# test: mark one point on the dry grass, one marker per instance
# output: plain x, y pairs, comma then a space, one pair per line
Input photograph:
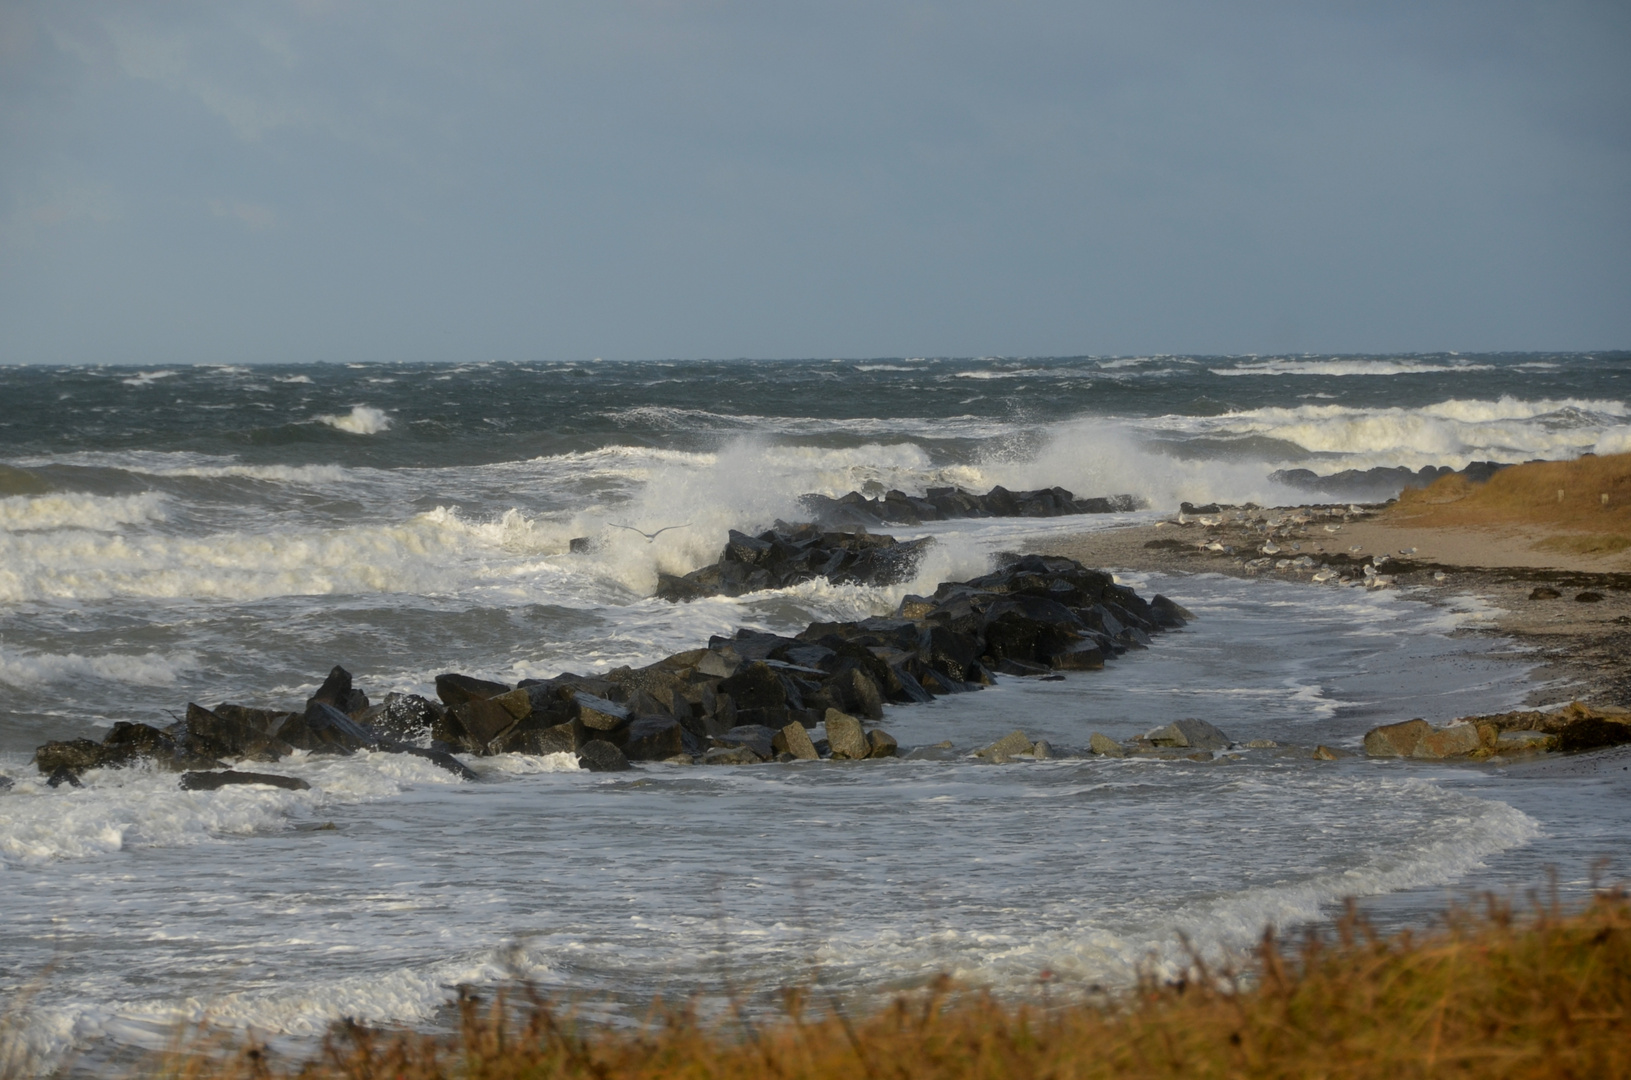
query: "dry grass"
1489, 995
1561, 497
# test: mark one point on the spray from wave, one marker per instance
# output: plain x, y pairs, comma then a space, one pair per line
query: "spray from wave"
361, 420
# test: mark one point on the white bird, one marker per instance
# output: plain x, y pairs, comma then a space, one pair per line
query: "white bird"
1407, 551
1357, 547
1438, 575
1322, 576
1333, 528
1270, 548
650, 536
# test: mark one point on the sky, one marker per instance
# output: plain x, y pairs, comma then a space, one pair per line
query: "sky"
397, 180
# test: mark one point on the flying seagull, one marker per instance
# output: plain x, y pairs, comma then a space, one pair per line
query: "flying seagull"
651, 535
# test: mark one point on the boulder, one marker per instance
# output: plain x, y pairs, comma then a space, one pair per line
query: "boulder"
62, 774
881, 744
598, 714
208, 732
1524, 742
1191, 733
407, 716
1456, 740
845, 737
323, 729
755, 737
1544, 592
559, 739
338, 692
73, 755
1042, 751
456, 689
654, 738
795, 740
128, 742
598, 755
1104, 745
214, 781
1396, 740
1010, 745
488, 719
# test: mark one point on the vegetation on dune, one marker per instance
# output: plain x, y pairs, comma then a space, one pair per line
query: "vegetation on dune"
1588, 499
1487, 995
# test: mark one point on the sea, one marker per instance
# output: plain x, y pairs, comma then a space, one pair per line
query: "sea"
224, 533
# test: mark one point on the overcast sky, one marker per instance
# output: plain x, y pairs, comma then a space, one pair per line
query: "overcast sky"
299, 180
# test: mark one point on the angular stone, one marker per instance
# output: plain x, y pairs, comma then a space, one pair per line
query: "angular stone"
654, 738
1325, 753
880, 744
1015, 742
1041, 751
560, 739
598, 714
845, 737
794, 739
756, 737
1396, 740
455, 689
323, 729
226, 737
597, 755
1083, 657
487, 719
716, 666
1104, 745
214, 781
75, 755
406, 716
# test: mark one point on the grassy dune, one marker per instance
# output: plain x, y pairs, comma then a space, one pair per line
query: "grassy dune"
1488, 995
1564, 501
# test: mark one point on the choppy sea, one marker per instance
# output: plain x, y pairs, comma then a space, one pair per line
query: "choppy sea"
229, 533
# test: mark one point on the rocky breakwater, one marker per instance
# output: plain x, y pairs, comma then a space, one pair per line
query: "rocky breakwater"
947, 503
1574, 727
750, 698
789, 555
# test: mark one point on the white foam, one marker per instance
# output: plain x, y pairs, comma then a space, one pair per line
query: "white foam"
361, 420
76, 510
1341, 366
26, 669
147, 378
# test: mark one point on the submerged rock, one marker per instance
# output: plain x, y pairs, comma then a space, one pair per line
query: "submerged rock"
1190, 733
597, 755
1100, 743
213, 781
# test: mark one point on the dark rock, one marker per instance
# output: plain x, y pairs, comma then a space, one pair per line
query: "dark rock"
323, 729
407, 716
338, 692
598, 755
1591, 733
436, 757
1381, 483
214, 781
456, 689
1010, 666
75, 755
62, 774
598, 714
755, 737
1169, 615
560, 739
654, 738
1543, 592
1588, 597
128, 742
582, 545
210, 733
487, 719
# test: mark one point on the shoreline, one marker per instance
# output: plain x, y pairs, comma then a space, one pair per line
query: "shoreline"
1581, 646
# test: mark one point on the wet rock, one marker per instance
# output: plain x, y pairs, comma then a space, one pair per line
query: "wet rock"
127, 742
881, 744
731, 755
654, 738
1191, 733
1105, 746
1593, 732
209, 733
755, 737
1169, 614
214, 781
486, 720
74, 755
1588, 597
559, 739
1544, 592
407, 716
455, 689
1009, 666
338, 692
62, 774
940, 751
1326, 753
598, 755
1006, 748
1396, 740
6, 782
795, 740
845, 737
1041, 751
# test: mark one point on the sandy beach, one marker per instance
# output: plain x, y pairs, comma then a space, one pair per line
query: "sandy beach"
1583, 643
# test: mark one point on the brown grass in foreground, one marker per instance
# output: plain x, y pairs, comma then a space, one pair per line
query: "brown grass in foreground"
1489, 995
1563, 496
